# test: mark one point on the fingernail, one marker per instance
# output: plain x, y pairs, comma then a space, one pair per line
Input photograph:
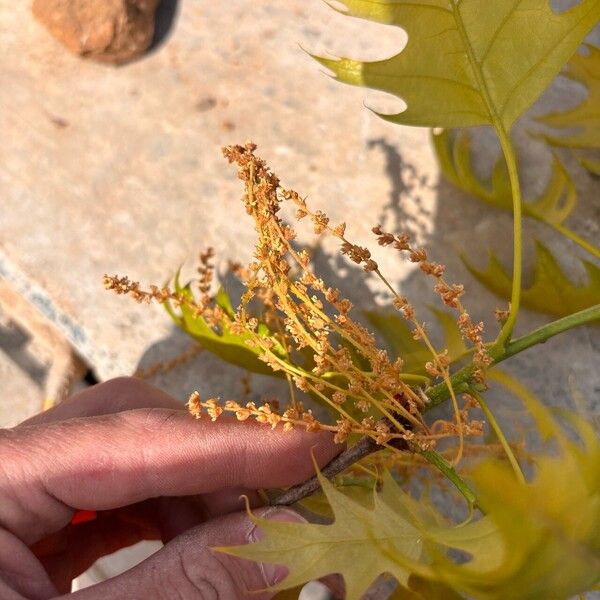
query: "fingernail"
273, 574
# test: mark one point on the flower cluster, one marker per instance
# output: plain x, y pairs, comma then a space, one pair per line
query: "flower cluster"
306, 329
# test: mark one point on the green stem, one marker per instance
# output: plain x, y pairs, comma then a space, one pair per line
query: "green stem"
545, 332
462, 378
412, 378
440, 463
515, 297
489, 415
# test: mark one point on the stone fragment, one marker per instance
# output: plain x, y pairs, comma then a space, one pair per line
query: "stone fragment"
114, 31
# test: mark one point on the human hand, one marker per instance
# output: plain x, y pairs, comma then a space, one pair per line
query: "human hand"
132, 453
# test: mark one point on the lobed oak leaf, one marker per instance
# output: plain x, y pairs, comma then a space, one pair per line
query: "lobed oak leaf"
453, 150
227, 345
459, 69
584, 119
551, 291
361, 544
539, 538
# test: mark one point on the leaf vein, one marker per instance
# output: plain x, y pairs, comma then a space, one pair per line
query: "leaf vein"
497, 32
527, 74
432, 77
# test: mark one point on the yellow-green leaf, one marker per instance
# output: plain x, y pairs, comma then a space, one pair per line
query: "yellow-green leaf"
231, 347
551, 291
424, 589
399, 339
224, 301
453, 150
363, 494
469, 62
547, 528
593, 166
585, 117
539, 539
361, 544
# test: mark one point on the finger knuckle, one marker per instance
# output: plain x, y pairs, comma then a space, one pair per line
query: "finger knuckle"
152, 421
125, 385
202, 577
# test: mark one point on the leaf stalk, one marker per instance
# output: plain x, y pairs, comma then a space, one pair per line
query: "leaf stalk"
515, 298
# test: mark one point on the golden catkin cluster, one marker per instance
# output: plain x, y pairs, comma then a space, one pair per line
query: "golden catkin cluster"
305, 317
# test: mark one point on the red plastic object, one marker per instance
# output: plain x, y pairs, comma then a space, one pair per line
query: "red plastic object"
83, 516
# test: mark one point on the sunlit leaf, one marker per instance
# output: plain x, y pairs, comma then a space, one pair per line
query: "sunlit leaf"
224, 301
360, 544
548, 527
469, 62
229, 346
582, 123
551, 291
539, 539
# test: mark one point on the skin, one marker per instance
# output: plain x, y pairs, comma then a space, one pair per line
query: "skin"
132, 453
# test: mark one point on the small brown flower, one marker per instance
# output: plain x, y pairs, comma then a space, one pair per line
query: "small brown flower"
194, 405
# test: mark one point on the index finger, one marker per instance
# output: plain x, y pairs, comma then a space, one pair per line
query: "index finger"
115, 395
104, 462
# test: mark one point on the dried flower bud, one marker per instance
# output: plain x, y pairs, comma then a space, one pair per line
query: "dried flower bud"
418, 255
339, 230
370, 265
501, 315
362, 405
338, 397
301, 384
194, 405
213, 410
320, 221
402, 242
431, 268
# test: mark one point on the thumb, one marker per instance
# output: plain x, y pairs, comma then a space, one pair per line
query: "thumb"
188, 568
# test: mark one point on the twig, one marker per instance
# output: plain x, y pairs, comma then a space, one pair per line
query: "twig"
365, 446
436, 395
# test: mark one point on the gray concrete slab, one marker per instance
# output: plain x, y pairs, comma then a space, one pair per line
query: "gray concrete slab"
118, 170
22, 375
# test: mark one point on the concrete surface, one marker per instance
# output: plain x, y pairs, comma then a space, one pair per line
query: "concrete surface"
21, 376
119, 170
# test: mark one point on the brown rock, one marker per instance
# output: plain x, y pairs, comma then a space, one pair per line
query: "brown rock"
113, 31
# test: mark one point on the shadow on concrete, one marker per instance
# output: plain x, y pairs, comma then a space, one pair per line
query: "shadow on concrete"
404, 183
14, 343
459, 225
166, 15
